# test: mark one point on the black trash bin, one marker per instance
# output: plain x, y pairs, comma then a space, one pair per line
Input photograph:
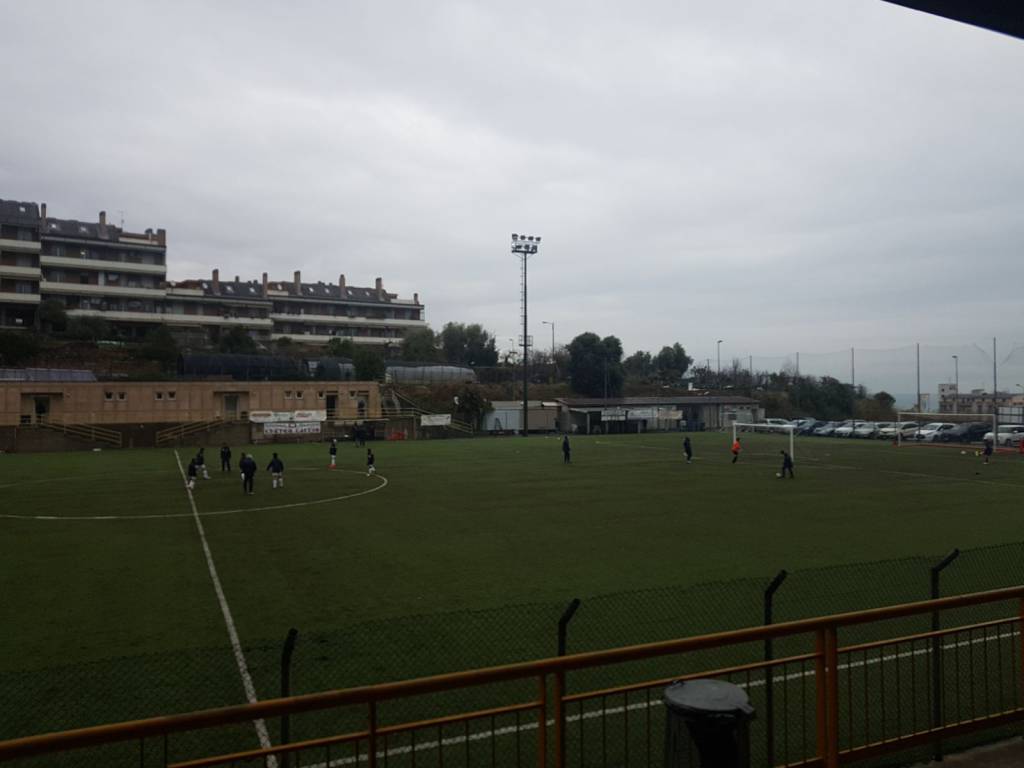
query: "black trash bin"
709, 718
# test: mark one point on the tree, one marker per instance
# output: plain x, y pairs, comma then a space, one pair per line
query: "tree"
89, 329
595, 365
51, 316
369, 363
18, 346
672, 362
470, 405
237, 342
159, 345
284, 344
419, 345
340, 347
468, 345
639, 365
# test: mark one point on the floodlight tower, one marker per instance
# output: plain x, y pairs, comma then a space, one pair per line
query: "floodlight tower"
523, 247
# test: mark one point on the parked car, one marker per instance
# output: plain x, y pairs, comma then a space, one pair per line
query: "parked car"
865, 429
883, 425
777, 422
809, 426
968, 432
1009, 434
845, 429
934, 431
826, 429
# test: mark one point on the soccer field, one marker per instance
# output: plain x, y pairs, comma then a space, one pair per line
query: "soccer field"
104, 568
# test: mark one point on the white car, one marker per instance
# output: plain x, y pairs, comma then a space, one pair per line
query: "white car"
1009, 434
932, 432
865, 429
881, 432
845, 429
777, 422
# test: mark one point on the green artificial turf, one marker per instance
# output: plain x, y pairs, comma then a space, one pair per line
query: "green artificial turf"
458, 553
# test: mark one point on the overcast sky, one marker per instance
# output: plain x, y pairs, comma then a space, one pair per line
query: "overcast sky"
800, 175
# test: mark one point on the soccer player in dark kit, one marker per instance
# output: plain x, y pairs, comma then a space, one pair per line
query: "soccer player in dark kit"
566, 450
687, 449
276, 469
248, 467
225, 458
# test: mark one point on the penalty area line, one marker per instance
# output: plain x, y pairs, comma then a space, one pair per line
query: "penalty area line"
229, 621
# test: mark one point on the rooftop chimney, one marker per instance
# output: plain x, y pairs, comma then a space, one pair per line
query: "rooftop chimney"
216, 281
161, 236
341, 284
380, 289
42, 211
236, 279
298, 283
264, 285
415, 298
103, 218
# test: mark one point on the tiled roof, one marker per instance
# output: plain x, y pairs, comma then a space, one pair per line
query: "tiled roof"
19, 214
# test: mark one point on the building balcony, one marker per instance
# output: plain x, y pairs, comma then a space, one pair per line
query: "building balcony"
18, 298
70, 262
311, 338
88, 289
167, 318
373, 322
23, 246
31, 273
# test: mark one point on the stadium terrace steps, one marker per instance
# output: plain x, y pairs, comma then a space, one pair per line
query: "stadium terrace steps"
88, 432
179, 432
402, 406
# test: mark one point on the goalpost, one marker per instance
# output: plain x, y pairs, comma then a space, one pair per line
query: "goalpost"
920, 418
738, 426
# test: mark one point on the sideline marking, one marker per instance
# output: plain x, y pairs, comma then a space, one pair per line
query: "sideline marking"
215, 513
236, 646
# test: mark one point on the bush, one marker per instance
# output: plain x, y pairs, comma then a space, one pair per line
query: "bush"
88, 329
18, 346
159, 345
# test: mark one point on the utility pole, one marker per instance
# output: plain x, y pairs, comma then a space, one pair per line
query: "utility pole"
995, 389
524, 247
918, 407
853, 384
956, 384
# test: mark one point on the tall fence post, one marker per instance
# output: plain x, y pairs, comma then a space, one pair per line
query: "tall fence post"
769, 674
286, 689
563, 623
937, 708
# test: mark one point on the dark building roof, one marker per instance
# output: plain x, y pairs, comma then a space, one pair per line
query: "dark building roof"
45, 374
229, 289
331, 291
626, 402
86, 230
240, 367
19, 214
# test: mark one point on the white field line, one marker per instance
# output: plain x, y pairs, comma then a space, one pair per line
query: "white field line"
618, 710
229, 622
215, 513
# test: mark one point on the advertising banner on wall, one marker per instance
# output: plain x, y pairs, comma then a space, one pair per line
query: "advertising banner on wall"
278, 417
436, 420
613, 414
291, 428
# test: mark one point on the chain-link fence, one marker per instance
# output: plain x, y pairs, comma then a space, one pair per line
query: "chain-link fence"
69, 696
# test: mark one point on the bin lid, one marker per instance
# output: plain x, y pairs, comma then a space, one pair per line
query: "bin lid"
708, 697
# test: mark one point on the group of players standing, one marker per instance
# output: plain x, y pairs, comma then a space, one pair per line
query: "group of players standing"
247, 467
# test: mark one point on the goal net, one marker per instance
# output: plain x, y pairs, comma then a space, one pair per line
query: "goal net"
928, 428
784, 429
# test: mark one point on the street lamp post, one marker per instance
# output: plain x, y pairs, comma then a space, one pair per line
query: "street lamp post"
523, 247
956, 384
552, 324
718, 349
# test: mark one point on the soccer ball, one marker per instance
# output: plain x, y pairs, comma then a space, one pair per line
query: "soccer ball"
778, 474
963, 453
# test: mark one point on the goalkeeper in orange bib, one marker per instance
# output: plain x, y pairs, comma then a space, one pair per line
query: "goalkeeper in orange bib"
735, 450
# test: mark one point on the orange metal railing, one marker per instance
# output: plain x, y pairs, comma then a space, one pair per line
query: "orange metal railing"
834, 699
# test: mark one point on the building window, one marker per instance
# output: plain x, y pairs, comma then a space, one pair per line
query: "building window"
108, 395
298, 395
122, 396
171, 394
320, 395
22, 287
159, 395
287, 394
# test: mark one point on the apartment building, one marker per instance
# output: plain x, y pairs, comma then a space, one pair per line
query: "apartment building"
99, 270
96, 269
19, 263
